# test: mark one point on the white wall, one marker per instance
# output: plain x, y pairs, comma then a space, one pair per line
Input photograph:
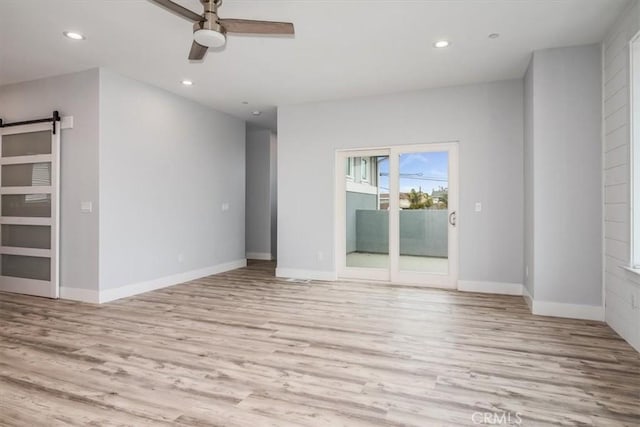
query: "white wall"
566, 150
620, 285
167, 165
485, 118
73, 95
258, 190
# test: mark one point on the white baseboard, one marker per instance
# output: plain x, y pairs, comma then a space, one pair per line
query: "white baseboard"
77, 294
265, 256
306, 274
108, 295
571, 311
560, 309
527, 298
164, 282
490, 287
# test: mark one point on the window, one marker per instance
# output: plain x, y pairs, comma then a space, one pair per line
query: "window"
350, 166
364, 169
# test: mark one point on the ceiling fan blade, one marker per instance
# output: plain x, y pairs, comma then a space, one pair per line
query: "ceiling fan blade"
197, 51
179, 10
247, 26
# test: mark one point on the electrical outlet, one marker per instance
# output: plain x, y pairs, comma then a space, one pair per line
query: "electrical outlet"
478, 207
180, 258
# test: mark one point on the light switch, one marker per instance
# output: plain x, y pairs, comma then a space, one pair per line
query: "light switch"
478, 207
86, 207
225, 206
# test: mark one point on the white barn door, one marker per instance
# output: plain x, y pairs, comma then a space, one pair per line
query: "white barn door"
29, 209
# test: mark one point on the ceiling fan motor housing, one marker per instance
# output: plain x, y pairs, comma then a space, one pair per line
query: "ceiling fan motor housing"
209, 32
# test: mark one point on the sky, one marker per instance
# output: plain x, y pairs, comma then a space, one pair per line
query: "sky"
427, 170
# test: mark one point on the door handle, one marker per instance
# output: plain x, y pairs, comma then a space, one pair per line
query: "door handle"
452, 218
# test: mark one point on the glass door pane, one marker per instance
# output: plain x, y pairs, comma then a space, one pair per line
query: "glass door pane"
367, 215
423, 215
26, 144
26, 205
26, 267
26, 175
26, 236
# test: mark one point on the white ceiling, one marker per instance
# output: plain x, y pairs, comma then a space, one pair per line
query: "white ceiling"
341, 49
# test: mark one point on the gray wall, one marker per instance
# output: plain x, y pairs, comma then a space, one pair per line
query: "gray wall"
422, 232
258, 188
620, 284
485, 118
354, 202
167, 165
73, 95
566, 175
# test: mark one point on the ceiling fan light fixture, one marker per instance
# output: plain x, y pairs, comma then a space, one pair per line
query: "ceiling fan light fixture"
209, 38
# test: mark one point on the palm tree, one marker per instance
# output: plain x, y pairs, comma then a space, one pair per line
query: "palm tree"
419, 200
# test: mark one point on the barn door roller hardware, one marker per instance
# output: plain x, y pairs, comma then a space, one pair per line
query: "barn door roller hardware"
55, 117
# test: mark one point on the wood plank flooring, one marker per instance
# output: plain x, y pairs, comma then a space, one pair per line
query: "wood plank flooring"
246, 349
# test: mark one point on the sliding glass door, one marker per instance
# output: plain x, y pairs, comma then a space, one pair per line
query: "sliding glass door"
396, 214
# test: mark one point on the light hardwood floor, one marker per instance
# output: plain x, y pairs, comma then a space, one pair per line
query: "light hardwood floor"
247, 349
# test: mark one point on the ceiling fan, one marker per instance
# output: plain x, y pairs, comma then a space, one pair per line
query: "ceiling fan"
209, 30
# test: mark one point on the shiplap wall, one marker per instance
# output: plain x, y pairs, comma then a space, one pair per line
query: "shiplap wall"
620, 284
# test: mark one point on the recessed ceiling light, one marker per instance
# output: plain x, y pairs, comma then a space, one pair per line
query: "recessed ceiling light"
441, 43
494, 35
187, 82
74, 36
256, 113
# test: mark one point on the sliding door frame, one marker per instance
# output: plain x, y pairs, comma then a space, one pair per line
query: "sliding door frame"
433, 280
393, 274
